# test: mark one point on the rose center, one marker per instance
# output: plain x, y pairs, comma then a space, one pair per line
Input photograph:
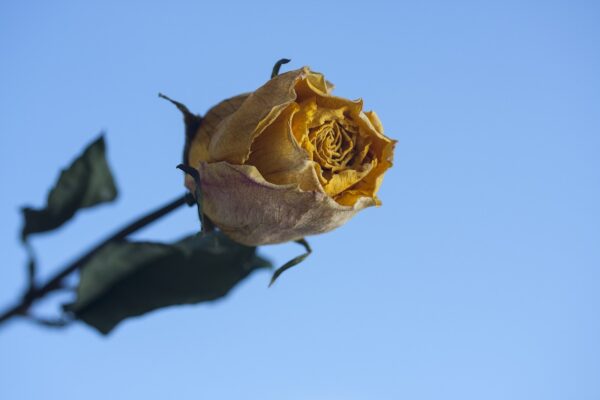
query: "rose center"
334, 145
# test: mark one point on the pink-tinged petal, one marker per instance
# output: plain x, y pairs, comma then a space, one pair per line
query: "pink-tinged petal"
254, 212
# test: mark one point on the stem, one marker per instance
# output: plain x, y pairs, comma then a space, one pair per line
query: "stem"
55, 282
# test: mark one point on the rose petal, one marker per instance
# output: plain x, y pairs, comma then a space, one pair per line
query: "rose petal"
375, 121
346, 178
383, 148
312, 84
254, 212
199, 146
234, 136
278, 157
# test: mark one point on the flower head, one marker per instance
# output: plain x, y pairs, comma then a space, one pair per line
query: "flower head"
288, 160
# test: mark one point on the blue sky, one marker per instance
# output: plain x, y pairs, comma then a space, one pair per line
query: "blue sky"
477, 279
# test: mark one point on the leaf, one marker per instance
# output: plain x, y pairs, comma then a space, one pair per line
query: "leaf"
87, 182
293, 262
128, 279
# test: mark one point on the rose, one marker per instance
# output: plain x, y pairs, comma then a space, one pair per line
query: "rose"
288, 160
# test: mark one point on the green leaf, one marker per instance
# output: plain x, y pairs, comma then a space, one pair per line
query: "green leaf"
85, 183
293, 262
127, 279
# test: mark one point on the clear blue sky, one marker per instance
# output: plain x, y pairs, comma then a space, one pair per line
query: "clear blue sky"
479, 278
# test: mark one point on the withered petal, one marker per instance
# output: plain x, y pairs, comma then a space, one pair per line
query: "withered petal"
278, 157
254, 212
234, 136
198, 149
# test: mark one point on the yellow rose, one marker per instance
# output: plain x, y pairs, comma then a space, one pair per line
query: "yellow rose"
288, 160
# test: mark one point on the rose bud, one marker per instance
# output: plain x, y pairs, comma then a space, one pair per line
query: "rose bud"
288, 160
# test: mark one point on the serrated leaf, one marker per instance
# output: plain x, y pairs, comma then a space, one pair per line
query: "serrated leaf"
87, 182
128, 279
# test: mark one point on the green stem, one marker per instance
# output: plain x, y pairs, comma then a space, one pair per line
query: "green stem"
56, 282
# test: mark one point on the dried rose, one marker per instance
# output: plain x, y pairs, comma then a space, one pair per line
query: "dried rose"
288, 160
